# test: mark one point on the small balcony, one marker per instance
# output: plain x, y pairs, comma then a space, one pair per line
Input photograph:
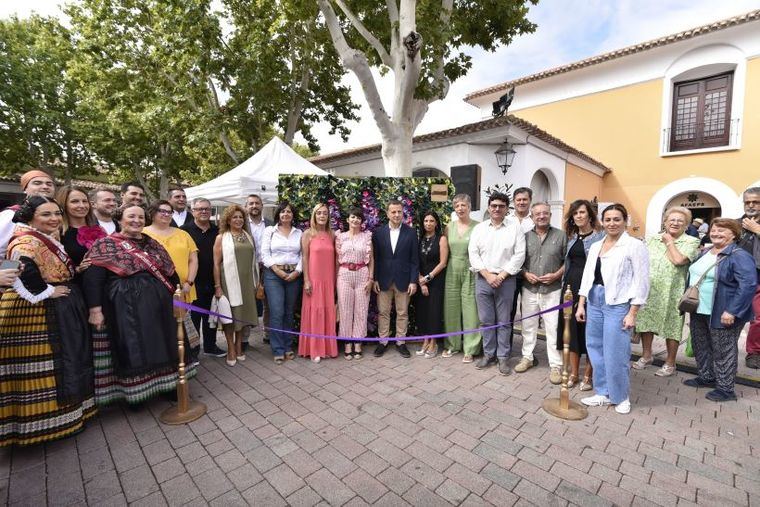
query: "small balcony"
701, 136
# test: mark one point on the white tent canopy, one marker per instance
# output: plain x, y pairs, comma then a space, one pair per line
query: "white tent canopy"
257, 175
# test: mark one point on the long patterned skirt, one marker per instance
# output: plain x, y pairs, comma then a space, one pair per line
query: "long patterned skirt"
110, 388
29, 410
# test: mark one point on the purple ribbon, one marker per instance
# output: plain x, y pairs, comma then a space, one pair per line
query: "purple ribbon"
194, 308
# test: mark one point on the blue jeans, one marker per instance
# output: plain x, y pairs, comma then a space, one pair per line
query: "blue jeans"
494, 306
282, 297
608, 346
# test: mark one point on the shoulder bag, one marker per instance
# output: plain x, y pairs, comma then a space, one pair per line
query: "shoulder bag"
689, 302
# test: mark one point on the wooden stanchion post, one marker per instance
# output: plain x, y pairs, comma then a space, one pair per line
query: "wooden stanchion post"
563, 407
186, 410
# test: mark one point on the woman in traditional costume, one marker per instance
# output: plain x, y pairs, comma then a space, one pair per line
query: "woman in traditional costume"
129, 287
46, 373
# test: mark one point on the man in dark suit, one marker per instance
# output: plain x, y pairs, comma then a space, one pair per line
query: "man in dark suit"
396, 272
178, 201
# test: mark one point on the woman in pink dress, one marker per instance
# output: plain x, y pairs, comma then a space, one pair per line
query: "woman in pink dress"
355, 277
318, 308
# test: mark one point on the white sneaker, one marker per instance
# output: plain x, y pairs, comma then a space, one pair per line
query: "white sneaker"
624, 407
597, 400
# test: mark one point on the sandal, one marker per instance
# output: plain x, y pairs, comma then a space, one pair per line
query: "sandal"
431, 352
586, 384
422, 350
572, 380
642, 363
348, 356
666, 371
358, 355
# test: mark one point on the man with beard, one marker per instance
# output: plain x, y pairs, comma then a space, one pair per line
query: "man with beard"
750, 241
256, 223
103, 203
34, 182
132, 194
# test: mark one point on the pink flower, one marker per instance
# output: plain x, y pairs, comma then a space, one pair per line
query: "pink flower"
89, 234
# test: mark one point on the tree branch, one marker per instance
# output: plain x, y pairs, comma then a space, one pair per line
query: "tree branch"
373, 41
439, 78
296, 104
214, 100
356, 61
392, 12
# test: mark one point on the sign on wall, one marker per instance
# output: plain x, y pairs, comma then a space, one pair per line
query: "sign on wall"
694, 200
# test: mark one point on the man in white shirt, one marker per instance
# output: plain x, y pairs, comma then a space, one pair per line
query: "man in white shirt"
103, 203
497, 252
178, 200
34, 182
523, 197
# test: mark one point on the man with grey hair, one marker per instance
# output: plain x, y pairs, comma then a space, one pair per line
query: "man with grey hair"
204, 234
542, 288
750, 241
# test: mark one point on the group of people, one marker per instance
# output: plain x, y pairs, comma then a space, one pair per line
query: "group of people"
86, 316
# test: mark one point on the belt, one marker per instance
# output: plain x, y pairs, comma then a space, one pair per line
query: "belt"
288, 268
351, 266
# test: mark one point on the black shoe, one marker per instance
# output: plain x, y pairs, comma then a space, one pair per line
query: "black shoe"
216, 352
245, 346
698, 382
504, 368
753, 361
485, 362
720, 395
266, 340
380, 349
403, 350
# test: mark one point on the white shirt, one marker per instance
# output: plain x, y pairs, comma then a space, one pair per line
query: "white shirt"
497, 248
6, 230
109, 226
179, 217
277, 248
257, 230
526, 224
395, 233
625, 271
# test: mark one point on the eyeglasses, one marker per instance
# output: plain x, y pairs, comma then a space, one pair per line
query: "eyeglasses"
202, 210
165, 212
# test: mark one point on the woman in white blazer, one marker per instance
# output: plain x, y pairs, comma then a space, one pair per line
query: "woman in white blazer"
615, 285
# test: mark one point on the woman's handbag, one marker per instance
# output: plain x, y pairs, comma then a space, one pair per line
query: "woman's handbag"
222, 306
689, 302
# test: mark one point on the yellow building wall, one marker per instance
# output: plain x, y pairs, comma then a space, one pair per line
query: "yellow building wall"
621, 128
581, 184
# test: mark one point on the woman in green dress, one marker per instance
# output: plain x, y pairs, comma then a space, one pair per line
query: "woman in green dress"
236, 276
459, 308
670, 254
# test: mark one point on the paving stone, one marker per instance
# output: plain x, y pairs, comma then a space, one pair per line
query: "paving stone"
180, 490
616, 495
229, 499
605, 474
329, 487
500, 476
452, 492
191, 453
302, 463
579, 496
576, 477
423, 474
230, 460
153, 500
468, 479
419, 496
429, 456
158, 451
547, 480
713, 473
284, 480
65, 488
95, 462
212, 483
199, 466
127, 456
304, 497
138, 483
391, 499
180, 436
169, 469
395, 480
102, 487
262, 458
536, 494
263, 494
389, 452
495, 456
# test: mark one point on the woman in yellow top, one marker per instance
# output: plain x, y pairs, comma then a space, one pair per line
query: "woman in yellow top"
184, 255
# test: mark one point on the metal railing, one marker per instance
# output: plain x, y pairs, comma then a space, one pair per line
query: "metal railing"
697, 135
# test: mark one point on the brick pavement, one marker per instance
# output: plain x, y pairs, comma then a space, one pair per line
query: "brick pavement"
399, 432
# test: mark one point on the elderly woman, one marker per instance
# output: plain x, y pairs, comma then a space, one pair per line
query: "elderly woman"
318, 307
459, 310
236, 276
670, 254
46, 381
281, 255
433, 257
615, 284
728, 281
129, 287
356, 268
582, 229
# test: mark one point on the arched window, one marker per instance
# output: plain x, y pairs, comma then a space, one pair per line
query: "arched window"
429, 172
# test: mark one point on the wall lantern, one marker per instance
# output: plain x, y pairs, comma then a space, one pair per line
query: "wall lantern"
505, 156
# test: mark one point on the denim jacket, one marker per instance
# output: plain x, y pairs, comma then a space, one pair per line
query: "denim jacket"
736, 279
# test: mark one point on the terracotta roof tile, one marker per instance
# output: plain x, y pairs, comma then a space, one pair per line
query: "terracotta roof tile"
619, 53
468, 129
